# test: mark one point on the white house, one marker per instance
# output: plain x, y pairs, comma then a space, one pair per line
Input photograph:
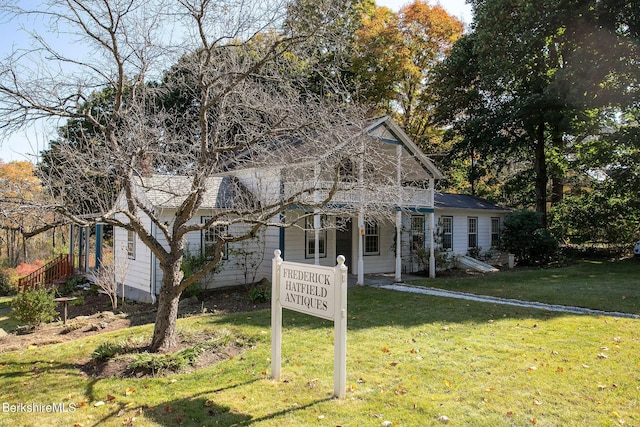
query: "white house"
362, 222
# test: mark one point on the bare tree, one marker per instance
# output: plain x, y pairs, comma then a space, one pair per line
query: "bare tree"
234, 100
108, 277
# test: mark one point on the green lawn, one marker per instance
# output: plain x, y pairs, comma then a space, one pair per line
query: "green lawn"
6, 321
608, 286
411, 359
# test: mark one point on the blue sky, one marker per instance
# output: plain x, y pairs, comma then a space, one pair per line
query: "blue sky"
26, 144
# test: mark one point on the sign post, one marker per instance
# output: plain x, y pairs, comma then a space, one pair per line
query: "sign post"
317, 291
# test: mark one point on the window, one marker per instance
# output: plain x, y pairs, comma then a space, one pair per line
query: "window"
209, 237
446, 224
371, 238
131, 244
310, 238
472, 231
495, 232
417, 232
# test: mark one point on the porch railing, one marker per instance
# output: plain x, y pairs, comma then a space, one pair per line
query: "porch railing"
350, 194
58, 269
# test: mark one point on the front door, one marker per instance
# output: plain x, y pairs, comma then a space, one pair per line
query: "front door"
344, 229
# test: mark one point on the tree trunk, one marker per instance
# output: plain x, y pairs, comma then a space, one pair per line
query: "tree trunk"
165, 335
541, 175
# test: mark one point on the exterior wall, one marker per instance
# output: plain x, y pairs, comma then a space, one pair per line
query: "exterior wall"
245, 260
137, 271
382, 263
460, 227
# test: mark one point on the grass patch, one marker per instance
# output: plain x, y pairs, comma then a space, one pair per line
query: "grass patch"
5, 302
410, 360
7, 323
598, 285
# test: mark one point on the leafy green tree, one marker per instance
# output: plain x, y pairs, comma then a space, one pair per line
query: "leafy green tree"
394, 57
527, 240
531, 79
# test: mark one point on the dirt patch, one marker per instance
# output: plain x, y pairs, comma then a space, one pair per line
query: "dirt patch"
95, 316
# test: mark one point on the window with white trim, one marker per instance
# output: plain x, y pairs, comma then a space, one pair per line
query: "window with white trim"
495, 232
310, 237
131, 244
446, 225
210, 236
472, 232
417, 232
371, 238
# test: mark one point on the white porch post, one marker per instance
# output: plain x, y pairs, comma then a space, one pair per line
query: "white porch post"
316, 217
399, 214
432, 225
398, 245
316, 234
361, 228
360, 247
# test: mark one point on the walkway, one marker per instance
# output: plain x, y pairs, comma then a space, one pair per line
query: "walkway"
387, 282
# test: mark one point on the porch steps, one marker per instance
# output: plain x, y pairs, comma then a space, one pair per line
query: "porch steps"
472, 263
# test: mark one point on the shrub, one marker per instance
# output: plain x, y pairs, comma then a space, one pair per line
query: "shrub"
107, 350
5, 284
524, 236
34, 306
156, 364
259, 293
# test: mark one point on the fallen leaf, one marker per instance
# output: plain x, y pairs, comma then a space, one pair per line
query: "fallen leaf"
489, 389
559, 369
400, 390
602, 356
321, 417
129, 391
537, 402
534, 421
447, 383
444, 419
602, 387
169, 409
393, 364
208, 403
386, 350
509, 414
110, 397
179, 419
532, 368
98, 403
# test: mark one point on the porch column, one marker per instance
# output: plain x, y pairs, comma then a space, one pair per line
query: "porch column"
432, 225
87, 236
360, 247
432, 256
81, 264
399, 213
316, 217
98, 246
398, 245
316, 233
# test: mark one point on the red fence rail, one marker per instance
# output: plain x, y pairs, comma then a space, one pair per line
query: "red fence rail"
59, 268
